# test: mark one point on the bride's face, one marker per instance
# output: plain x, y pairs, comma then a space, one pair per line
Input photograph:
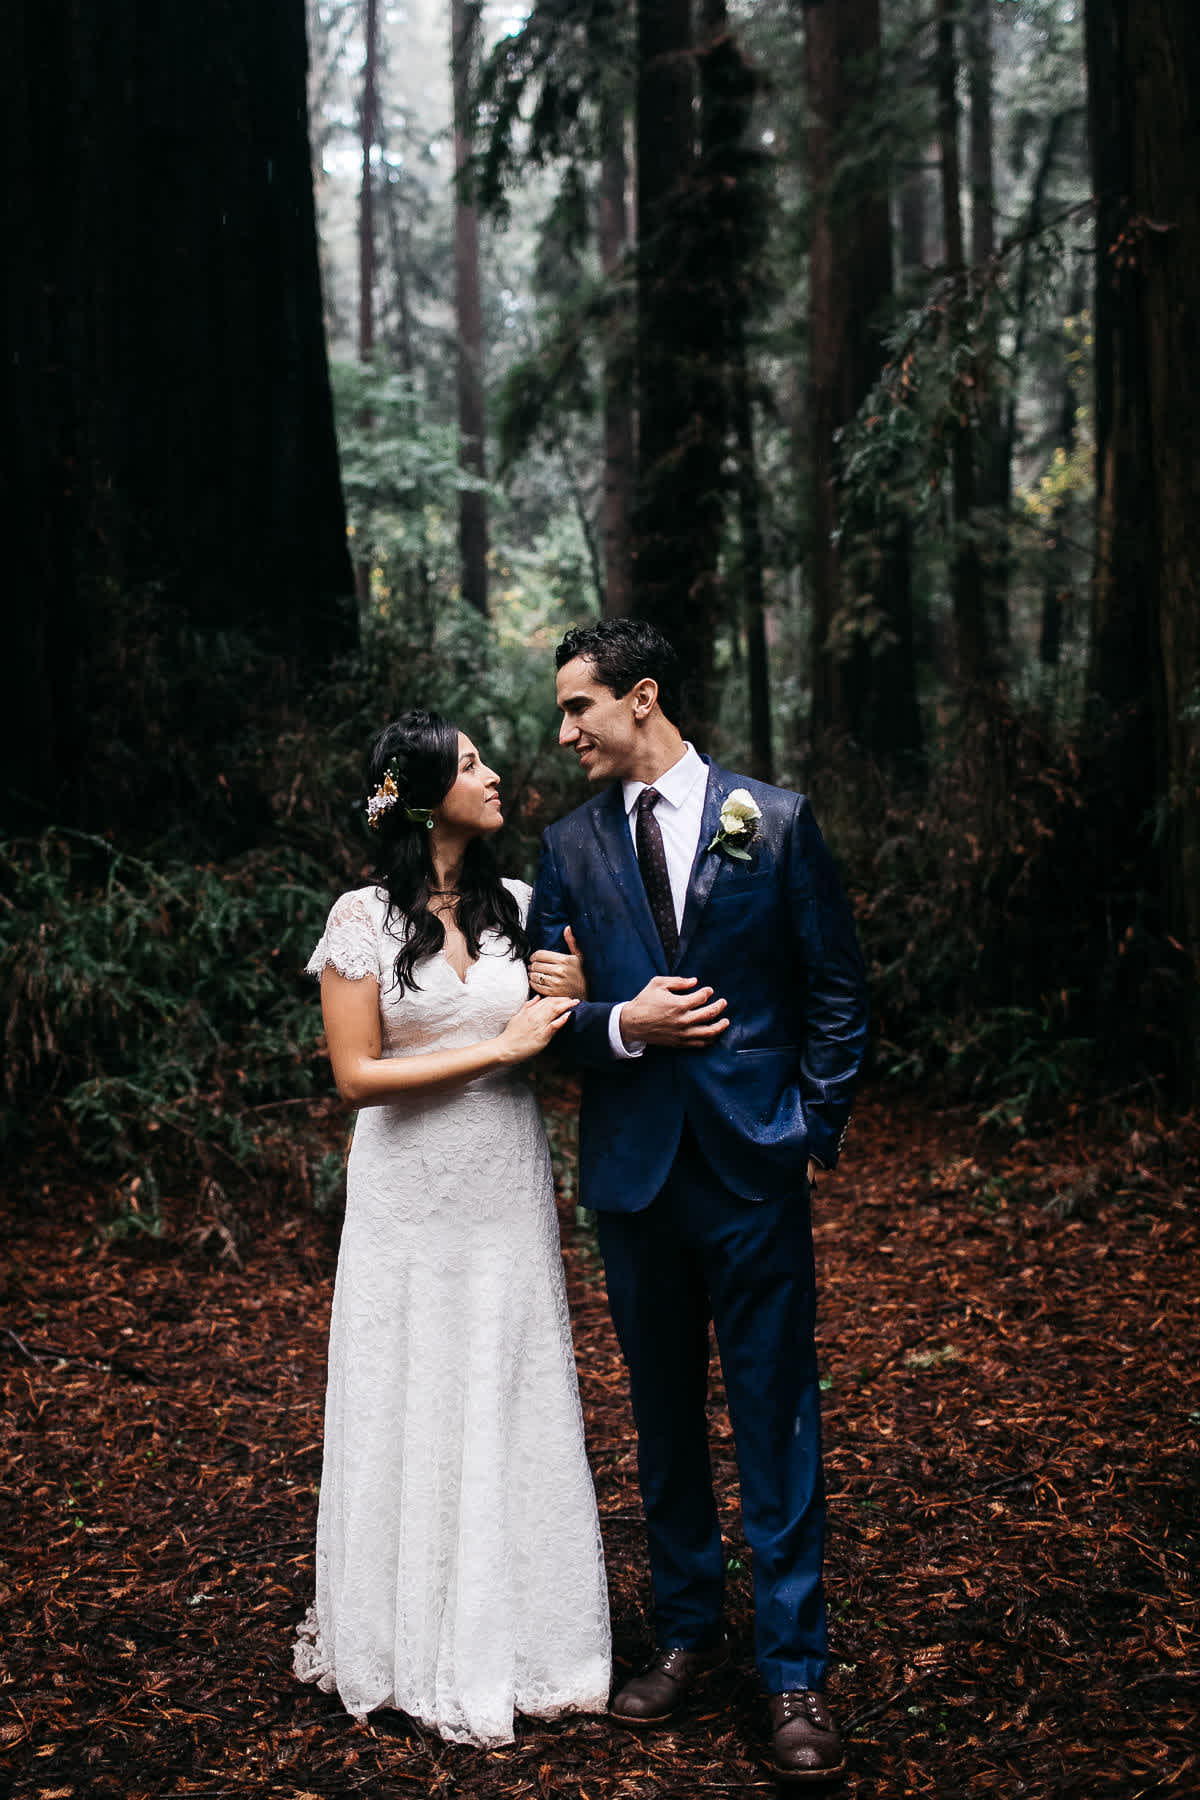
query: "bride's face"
473, 803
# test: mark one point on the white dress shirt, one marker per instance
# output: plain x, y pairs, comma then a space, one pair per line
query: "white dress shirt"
683, 789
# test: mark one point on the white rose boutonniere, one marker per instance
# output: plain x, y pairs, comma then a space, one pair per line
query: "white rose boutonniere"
738, 826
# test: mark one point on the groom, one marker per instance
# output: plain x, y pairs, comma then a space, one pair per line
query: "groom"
719, 1048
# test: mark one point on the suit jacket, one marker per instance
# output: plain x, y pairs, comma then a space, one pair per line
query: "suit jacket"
774, 937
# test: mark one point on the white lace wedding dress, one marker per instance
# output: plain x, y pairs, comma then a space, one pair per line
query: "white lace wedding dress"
459, 1571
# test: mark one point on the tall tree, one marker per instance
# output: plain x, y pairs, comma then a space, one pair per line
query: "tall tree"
966, 575
368, 143
559, 91
472, 502
1144, 106
680, 395
1125, 579
862, 648
1056, 573
174, 470
993, 478
732, 181
619, 434
368, 130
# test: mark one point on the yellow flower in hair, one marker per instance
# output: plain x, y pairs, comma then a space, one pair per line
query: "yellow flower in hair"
382, 800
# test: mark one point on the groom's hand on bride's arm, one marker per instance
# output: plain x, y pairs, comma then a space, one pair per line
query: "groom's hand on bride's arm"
672, 1011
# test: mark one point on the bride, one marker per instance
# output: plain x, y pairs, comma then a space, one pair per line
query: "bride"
459, 1572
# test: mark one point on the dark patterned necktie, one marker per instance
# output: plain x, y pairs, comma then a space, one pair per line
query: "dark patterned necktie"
652, 860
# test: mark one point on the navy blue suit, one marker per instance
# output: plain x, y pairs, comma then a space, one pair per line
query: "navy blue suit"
694, 1160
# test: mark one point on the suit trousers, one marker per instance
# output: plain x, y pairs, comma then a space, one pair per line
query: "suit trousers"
699, 1252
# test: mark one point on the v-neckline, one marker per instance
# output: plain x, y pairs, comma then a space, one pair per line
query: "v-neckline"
473, 964
461, 979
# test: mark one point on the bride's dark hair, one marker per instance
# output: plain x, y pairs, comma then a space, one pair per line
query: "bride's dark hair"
421, 749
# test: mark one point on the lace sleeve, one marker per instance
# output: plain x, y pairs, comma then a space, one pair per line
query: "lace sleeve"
349, 943
521, 892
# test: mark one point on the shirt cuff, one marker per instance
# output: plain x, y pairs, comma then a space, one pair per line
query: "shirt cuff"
621, 1050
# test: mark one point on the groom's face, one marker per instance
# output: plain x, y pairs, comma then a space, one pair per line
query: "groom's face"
597, 724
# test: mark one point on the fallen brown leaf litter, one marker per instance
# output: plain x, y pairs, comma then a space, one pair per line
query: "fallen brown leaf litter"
1012, 1419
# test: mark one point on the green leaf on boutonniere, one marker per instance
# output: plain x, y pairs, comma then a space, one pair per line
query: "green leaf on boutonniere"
739, 819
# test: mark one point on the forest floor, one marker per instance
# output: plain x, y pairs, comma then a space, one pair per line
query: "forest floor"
1012, 1415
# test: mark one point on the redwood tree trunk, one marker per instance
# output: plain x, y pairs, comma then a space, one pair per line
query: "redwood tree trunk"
1124, 620
1056, 576
862, 687
172, 468
993, 480
1144, 671
1163, 72
733, 184
472, 505
674, 555
912, 218
619, 448
912, 188
754, 586
368, 125
966, 572
830, 405
368, 139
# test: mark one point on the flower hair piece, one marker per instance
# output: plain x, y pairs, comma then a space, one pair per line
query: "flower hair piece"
387, 795
382, 800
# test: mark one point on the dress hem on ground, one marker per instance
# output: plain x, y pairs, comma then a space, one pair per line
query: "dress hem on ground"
312, 1664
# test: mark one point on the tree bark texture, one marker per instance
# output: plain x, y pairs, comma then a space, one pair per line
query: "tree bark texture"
369, 138
1022, 293
912, 178
171, 429
1056, 580
677, 519
863, 681
754, 586
911, 206
368, 128
732, 185
970, 618
619, 439
1126, 574
1144, 673
472, 505
993, 478
1164, 74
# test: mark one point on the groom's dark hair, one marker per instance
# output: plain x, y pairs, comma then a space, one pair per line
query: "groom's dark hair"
624, 652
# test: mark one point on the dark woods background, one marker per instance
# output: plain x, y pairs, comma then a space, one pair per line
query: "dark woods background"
854, 344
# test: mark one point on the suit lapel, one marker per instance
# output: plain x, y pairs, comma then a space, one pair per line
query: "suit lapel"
616, 845
707, 863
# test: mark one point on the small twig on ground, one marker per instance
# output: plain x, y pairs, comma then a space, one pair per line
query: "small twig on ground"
24, 1347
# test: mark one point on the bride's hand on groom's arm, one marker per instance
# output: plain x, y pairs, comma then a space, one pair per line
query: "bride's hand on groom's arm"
530, 1030
672, 1011
553, 972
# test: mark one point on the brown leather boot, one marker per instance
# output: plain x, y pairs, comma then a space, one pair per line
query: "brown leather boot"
805, 1745
660, 1690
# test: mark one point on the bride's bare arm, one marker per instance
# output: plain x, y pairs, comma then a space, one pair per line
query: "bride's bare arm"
365, 1077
